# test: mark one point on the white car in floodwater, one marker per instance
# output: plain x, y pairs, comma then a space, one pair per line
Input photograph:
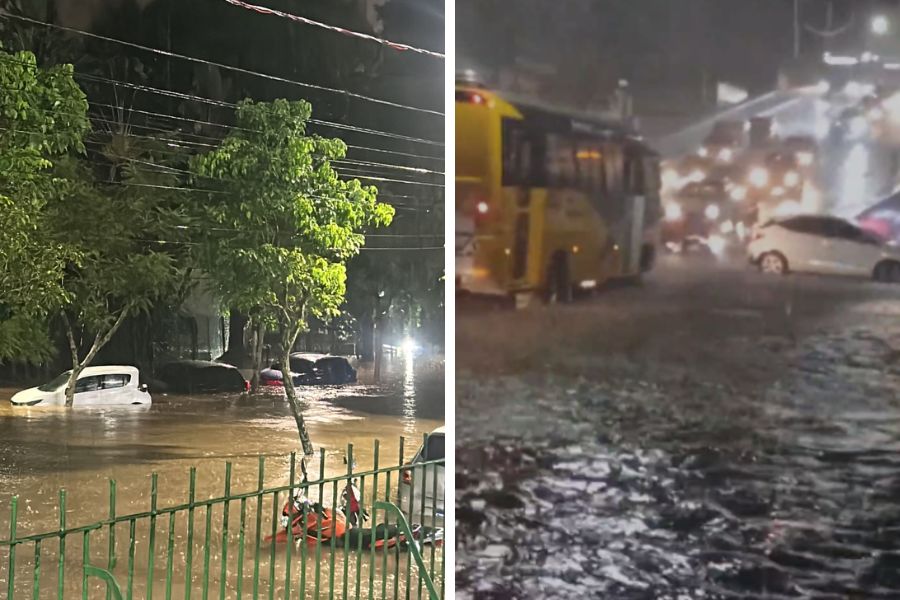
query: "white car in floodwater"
96, 386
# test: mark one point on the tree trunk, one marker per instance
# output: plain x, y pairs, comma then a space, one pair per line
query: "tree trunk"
256, 364
379, 348
288, 337
236, 352
366, 338
100, 340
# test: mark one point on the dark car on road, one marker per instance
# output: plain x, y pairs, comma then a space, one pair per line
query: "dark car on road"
201, 376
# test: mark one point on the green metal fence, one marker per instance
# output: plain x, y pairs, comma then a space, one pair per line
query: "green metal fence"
219, 547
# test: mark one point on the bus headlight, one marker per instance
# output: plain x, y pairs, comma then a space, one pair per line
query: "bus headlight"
759, 177
712, 212
673, 211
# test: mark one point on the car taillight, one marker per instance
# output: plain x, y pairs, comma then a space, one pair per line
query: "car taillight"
246, 386
407, 476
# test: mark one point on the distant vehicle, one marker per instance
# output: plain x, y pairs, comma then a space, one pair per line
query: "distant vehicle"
804, 148
762, 131
822, 244
312, 369
96, 386
417, 478
201, 377
725, 140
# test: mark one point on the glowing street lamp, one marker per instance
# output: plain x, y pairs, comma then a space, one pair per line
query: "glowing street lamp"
880, 25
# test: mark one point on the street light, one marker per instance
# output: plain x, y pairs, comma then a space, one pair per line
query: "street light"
880, 25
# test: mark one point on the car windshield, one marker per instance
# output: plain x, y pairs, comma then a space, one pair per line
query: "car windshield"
56, 383
434, 448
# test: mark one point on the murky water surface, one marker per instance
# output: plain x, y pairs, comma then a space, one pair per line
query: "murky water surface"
80, 450
724, 448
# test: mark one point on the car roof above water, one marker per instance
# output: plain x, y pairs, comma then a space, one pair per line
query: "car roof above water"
108, 370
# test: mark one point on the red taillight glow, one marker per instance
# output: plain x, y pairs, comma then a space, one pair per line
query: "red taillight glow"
246, 386
470, 97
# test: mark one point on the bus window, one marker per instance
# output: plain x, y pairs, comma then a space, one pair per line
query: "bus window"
590, 166
561, 168
517, 154
613, 163
634, 175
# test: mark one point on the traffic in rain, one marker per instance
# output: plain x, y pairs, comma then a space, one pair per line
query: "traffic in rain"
678, 291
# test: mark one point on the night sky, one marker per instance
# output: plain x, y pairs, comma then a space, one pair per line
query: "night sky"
665, 48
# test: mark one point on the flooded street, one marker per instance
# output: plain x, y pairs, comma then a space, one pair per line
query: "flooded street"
79, 450
713, 434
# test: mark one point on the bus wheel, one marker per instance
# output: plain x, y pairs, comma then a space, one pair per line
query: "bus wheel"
559, 284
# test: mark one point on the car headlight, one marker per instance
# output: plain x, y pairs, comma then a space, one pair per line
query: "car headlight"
858, 126
716, 244
759, 177
792, 179
778, 191
703, 152
805, 159
670, 178
788, 208
726, 227
712, 212
697, 176
726, 154
673, 211
738, 193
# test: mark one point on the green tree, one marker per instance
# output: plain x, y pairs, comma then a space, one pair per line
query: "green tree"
283, 224
127, 232
43, 120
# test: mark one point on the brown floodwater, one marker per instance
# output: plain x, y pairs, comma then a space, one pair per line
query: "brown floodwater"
80, 450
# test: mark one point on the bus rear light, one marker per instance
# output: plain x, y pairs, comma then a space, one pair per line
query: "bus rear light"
470, 98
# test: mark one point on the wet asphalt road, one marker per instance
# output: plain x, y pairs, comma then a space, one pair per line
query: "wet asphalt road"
712, 434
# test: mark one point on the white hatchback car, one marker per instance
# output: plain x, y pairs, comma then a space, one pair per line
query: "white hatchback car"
823, 244
96, 386
422, 485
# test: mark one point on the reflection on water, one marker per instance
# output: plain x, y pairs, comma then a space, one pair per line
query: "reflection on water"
409, 393
44, 450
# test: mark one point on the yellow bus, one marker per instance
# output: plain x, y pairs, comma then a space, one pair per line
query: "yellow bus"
548, 202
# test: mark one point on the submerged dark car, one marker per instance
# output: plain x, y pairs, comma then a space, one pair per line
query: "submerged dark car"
201, 376
312, 369
335, 370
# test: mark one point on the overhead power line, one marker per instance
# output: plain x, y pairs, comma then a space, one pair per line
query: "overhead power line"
219, 65
364, 36
233, 106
